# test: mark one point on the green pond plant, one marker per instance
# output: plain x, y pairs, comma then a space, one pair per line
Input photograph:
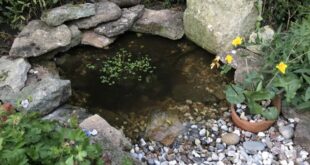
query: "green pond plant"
27, 139
123, 67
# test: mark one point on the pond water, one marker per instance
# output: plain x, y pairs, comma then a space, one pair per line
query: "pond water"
182, 73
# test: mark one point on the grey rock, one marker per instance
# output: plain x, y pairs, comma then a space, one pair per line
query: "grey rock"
159, 130
37, 38
93, 39
287, 131
13, 72
165, 23
46, 95
59, 15
230, 138
214, 24
253, 146
105, 12
76, 36
105, 132
126, 3
65, 112
120, 26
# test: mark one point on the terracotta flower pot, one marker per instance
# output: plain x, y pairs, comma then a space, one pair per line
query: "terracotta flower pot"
257, 126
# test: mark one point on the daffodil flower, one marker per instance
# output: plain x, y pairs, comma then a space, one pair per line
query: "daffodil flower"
281, 67
237, 41
229, 58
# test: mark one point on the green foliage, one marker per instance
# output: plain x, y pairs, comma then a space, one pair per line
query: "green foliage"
127, 161
291, 47
17, 13
26, 139
283, 12
124, 67
236, 94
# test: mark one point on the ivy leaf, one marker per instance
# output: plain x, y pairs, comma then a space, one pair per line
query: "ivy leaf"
271, 113
234, 94
290, 84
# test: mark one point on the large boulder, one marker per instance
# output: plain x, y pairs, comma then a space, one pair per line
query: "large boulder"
213, 24
126, 3
106, 132
93, 39
164, 128
120, 26
105, 12
59, 15
165, 23
37, 38
13, 72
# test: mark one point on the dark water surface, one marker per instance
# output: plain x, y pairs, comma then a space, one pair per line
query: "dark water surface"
182, 72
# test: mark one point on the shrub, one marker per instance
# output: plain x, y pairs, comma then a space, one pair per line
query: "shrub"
26, 139
283, 12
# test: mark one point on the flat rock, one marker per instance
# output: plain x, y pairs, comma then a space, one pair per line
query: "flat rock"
37, 38
105, 132
126, 3
93, 39
165, 23
65, 112
59, 15
120, 26
253, 146
13, 72
164, 127
105, 11
230, 138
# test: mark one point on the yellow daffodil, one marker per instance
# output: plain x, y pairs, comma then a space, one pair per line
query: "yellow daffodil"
237, 41
229, 58
281, 67
215, 62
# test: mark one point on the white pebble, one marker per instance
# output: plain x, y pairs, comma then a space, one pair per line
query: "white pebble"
202, 132
142, 142
194, 126
261, 134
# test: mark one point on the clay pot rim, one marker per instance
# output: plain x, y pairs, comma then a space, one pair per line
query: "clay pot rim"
256, 126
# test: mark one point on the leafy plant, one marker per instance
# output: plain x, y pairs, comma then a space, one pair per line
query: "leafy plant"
284, 12
124, 67
26, 139
291, 47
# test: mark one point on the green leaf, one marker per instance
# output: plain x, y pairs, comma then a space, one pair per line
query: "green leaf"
307, 78
70, 161
304, 106
254, 107
259, 86
290, 83
260, 95
307, 94
1, 141
271, 113
81, 155
234, 94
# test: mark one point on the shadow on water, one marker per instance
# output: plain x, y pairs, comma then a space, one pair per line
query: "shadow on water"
182, 72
